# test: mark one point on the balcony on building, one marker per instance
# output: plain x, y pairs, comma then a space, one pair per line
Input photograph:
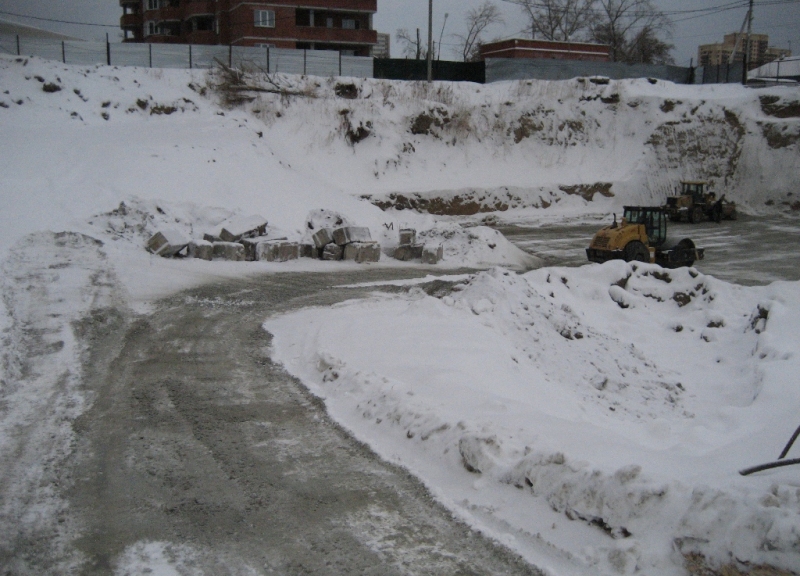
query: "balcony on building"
196, 8
130, 21
199, 29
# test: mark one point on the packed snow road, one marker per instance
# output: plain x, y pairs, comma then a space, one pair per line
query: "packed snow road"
750, 251
198, 455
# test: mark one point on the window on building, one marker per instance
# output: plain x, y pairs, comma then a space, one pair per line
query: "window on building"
329, 22
349, 24
149, 28
302, 17
265, 18
153, 4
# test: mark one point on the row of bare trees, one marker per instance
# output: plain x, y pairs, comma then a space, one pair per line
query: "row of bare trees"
635, 30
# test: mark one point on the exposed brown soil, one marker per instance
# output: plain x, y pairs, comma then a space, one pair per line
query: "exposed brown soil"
774, 106
587, 191
696, 566
455, 206
780, 136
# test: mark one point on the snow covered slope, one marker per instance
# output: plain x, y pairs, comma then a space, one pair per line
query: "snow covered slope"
540, 144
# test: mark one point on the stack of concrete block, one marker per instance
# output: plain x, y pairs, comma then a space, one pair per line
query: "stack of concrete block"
167, 243
332, 251
349, 234
322, 238
408, 248
362, 251
432, 253
406, 252
228, 251
235, 229
348, 243
277, 251
408, 236
201, 249
308, 251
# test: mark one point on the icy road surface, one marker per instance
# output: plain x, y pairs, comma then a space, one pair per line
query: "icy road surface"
198, 455
751, 251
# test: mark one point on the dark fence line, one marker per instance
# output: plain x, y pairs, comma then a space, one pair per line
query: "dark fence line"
311, 62
401, 69
329, 63
723, 74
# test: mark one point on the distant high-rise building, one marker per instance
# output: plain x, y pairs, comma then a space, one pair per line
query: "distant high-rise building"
384, 47
341, 25
759, 53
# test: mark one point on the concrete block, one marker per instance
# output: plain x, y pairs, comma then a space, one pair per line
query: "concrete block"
408, 252
277, 251
201, 249
332, 252
408, 236
228, 251
211, 238
250, 246
322, 237
432, 253
308, 251
167, 243
237, 228
362, 251
347, 234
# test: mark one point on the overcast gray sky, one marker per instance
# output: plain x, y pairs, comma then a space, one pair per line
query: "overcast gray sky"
778, 18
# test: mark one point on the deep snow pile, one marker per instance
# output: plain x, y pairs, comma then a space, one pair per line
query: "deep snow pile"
595, 419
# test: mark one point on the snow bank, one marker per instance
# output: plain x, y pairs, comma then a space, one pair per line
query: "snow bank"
618, 401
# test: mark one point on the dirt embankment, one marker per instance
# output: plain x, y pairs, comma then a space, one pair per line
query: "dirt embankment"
471, 202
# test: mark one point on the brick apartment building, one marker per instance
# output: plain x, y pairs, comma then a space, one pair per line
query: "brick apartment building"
522, 48
760, 51
344, 26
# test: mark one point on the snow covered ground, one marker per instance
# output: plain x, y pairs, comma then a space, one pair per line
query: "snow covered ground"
593, 419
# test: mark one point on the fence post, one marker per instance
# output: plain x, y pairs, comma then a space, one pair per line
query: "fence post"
63, 52
108, 51
267, 59
340, 62
305, 55
19, 52
230, 55
190, 56
150, 53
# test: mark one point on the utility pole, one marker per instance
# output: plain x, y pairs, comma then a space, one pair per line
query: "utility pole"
747, 42
441, 34
430, 40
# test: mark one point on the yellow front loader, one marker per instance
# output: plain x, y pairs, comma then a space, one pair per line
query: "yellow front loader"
641, 236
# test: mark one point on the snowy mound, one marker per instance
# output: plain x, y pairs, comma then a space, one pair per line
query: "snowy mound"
595, 416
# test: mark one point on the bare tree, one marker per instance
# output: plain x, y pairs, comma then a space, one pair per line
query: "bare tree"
478, 19
559, 20
413, 47
647, 48
630, 28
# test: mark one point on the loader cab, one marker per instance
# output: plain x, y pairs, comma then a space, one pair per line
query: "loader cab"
653, 219
694, 188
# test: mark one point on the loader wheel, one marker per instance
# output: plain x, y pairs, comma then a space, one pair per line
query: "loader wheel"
687, 247
695, 214
635, 251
